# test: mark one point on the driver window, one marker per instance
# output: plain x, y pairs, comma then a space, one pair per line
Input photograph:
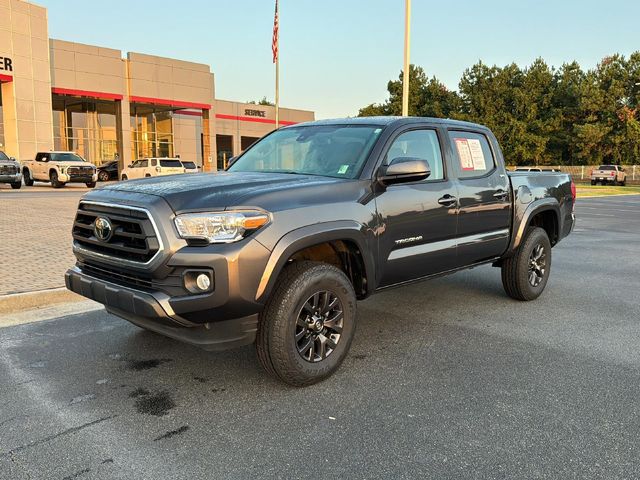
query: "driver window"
143, 163
422, 144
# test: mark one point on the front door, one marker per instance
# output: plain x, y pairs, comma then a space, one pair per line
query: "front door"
418, 219
484, 216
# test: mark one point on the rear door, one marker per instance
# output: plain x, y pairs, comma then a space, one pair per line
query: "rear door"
484, 198
418, 219
41, 166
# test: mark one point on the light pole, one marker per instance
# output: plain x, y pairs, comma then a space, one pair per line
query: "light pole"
407, 44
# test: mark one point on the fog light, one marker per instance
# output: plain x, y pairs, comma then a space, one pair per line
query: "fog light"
203, 282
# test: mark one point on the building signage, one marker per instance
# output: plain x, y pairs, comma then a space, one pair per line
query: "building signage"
254, 113
6, 64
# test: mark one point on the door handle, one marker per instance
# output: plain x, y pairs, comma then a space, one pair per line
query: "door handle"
447, 200
501, 194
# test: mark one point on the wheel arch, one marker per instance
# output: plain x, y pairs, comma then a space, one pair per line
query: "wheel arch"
341, 243
544, 213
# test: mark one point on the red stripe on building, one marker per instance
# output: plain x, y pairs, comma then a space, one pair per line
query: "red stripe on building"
6, 78
171, 103
87, 93
188, 112
222, 116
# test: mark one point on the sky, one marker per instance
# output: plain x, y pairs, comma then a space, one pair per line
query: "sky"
337, 56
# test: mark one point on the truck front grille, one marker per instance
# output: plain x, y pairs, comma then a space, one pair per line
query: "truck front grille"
8, 169
80, 170
131, 237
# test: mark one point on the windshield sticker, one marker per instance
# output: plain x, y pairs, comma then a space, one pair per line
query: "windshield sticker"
466, 160
477, 154
343, 169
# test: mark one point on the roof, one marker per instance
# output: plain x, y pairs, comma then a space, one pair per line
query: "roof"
385, 121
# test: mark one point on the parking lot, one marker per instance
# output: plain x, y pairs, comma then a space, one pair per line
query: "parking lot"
445, 379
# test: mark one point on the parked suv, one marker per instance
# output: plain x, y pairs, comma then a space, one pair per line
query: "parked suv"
10, 171
189, 167
152, 167
59, 168
614, 174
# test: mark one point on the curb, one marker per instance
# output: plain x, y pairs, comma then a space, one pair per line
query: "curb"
17, 302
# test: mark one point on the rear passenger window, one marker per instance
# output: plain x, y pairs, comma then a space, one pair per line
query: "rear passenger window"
474, 157
422, 144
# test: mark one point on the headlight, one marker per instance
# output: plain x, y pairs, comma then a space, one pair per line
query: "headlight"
219, 227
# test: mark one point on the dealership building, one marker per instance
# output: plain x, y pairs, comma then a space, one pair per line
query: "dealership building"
59, 95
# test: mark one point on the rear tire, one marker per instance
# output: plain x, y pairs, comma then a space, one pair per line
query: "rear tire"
26, 175
307, 326
124, 177
55, 183
91, 185
103, 176
16, 185
623, 183
593, 182
525, 274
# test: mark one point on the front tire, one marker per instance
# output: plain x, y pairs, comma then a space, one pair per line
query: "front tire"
16, 185
124, 177
525, 274
306, 328
593, 182
28, 181
103, 176
55, 183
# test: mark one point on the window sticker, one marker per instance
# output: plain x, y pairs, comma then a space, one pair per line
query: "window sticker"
343, 169
464, 153
477, 155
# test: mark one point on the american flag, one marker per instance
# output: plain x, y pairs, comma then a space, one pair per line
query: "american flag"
274, 41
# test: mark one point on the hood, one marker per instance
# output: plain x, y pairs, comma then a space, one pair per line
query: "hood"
206, 191
73, 164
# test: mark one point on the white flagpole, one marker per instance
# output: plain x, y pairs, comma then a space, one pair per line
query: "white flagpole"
407, 44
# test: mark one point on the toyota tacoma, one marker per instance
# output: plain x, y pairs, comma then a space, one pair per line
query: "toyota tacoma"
313, 217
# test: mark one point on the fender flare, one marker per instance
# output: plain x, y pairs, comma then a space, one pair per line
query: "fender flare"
309, 236
534, 208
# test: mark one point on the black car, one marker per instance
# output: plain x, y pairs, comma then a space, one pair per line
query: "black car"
108, 171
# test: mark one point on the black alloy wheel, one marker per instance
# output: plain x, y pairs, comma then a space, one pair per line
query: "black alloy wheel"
103, 176
537, 265
319, 326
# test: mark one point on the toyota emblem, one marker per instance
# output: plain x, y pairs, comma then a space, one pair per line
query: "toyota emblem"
102, 229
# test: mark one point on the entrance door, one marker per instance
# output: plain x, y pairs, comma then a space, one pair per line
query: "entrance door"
419, 218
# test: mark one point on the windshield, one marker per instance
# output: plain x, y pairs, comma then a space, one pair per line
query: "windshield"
66, 157
170, 163
190, 165
328, 150
3, 156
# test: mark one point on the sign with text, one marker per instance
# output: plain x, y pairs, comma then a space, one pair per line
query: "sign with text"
254, 113
6, 64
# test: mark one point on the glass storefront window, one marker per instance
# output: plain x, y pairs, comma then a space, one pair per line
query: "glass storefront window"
151, 131
87, 127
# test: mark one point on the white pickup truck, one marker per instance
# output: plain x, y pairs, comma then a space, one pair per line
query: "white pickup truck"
604, 174
59, 168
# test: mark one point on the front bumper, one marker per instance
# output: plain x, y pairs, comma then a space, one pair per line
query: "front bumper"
153, 311
79, 178
17, 177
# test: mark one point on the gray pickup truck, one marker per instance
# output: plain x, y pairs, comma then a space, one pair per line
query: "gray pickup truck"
10, 171
307, 221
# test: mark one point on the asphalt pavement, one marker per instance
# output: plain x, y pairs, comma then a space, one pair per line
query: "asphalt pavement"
446, 379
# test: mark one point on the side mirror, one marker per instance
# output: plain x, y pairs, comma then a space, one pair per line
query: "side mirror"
404, 169
130, 165
13, 159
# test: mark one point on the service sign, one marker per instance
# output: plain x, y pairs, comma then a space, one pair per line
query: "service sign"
254, 113
6, 64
